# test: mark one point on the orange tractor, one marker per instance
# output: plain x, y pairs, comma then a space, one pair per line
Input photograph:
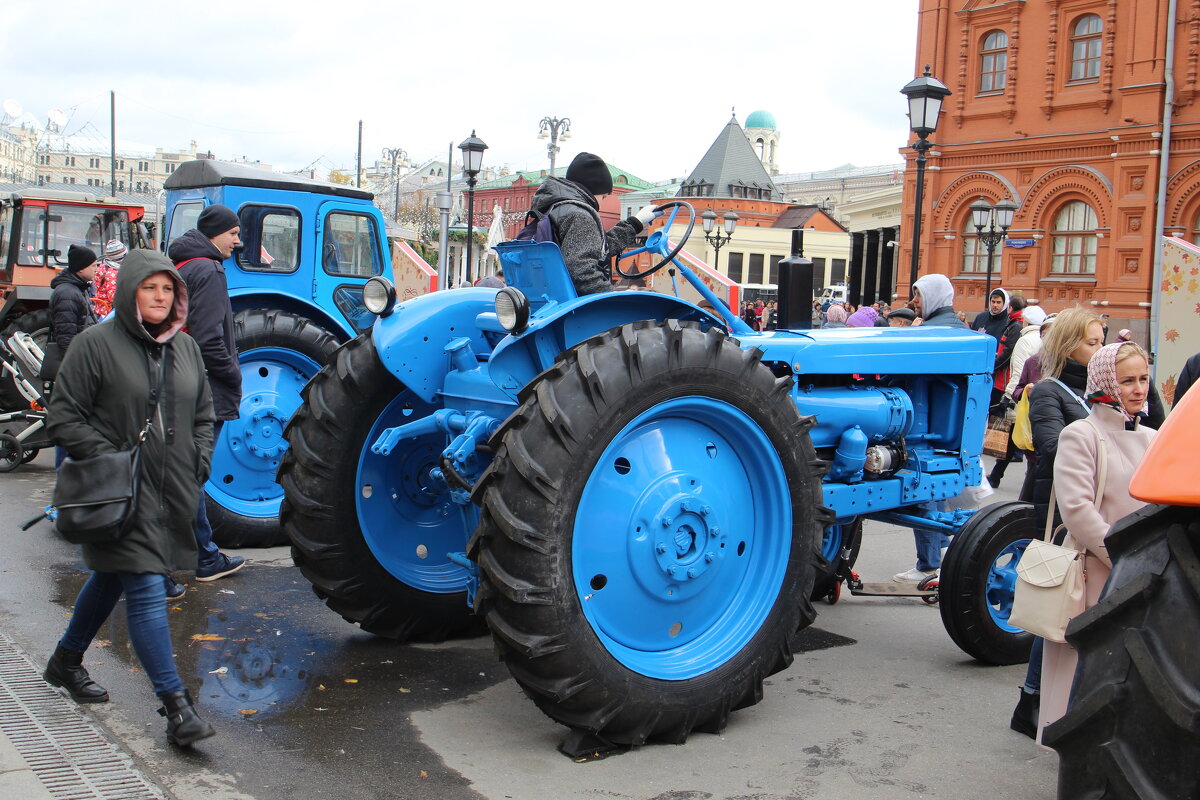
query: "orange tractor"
36, 228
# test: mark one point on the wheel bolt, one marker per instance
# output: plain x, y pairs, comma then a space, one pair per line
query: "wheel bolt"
706, 510
692, 572
667, 521
710, 557
660, 548
671, 571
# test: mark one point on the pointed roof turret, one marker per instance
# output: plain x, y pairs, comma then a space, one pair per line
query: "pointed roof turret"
731, 168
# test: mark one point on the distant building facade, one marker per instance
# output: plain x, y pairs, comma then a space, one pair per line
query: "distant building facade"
1060, 106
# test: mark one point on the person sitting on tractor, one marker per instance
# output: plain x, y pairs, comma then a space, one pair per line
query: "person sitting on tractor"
573, 206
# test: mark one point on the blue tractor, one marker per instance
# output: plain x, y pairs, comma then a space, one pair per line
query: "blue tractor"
296, 286
638, 496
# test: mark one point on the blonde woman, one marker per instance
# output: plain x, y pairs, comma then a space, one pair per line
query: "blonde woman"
1110, 442
1055, 401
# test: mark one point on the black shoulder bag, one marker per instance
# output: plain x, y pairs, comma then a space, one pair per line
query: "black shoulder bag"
97, 497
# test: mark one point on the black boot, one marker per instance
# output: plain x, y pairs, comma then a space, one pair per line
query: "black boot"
184, 726
66, 670
1025, 715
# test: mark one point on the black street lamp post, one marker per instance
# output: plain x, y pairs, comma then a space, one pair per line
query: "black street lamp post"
991, 224
925, 95
395, 154
708, 220
472, 149
553, 128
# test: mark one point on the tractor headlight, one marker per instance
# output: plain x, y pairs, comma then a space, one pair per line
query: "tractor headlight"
512, 309
379, 296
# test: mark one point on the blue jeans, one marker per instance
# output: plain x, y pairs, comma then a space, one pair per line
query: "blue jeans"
1033, 675
929, 549
146, 611
208, 551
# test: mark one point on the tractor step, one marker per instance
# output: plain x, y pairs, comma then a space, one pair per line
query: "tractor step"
927, 590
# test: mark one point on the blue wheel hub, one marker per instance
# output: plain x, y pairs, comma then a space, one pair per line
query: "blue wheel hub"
248, 451
682, 538
405, 512
1001, 584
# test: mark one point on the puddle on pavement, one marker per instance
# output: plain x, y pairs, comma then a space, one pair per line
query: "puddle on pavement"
261, 646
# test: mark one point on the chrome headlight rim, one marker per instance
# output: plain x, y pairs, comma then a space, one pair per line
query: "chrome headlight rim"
379, 304
514, 317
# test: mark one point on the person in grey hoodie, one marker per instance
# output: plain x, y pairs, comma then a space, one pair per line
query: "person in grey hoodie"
573, 207
933, 300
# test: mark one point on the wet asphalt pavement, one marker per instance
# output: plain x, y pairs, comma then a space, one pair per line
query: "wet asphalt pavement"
308, 706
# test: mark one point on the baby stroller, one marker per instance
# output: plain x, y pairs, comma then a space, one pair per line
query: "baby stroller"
23, 430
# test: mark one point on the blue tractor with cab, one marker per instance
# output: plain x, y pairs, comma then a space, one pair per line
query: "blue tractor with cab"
639, 496
296, 285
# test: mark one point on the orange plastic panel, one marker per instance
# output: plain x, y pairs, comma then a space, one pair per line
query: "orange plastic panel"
1170, 472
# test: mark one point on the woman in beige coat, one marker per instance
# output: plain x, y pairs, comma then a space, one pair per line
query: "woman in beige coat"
1117, 387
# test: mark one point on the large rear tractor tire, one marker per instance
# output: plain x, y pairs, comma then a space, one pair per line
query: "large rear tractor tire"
37, 325
279, 353
978, 578
1132, 727
650, 527
372, 532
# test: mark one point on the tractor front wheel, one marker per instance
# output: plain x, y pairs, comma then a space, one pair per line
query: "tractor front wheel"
649, 533
978, 579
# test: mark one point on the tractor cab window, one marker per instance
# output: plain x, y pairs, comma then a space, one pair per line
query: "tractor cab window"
270, 238
183, 219
47, 233
350, 246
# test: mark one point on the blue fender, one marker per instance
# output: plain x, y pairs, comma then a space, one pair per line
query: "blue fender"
411, 341
560, 326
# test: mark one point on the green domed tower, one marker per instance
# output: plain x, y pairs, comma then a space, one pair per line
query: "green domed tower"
763, 135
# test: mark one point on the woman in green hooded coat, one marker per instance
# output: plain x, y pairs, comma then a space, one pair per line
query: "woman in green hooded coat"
102, 397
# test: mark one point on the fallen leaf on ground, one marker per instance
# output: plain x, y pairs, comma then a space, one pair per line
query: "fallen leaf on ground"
247, 712
207, 637
350, 680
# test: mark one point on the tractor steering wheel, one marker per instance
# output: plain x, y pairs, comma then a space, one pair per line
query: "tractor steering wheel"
657, 242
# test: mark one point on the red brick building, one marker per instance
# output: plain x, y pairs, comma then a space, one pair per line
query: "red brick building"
1059, 105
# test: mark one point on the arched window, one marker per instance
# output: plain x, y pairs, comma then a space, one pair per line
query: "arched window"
974, 253
1085, 48
993, 62
1074, 240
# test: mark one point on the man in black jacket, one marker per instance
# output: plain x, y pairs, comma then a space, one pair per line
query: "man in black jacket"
71, 306
197, 255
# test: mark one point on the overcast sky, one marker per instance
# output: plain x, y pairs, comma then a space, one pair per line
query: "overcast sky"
648, 86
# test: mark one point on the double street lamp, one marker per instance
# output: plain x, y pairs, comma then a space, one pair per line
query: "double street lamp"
991, 224
925, 95
395, 154
472, 150
708, 220
553, 128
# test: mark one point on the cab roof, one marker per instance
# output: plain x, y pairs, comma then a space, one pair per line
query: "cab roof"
205, 172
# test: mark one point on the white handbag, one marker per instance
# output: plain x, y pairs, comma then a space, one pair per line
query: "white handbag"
1051, 579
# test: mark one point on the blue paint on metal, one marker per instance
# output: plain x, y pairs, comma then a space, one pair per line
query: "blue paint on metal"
405, 511
247, 453
681, 538
1001, 584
